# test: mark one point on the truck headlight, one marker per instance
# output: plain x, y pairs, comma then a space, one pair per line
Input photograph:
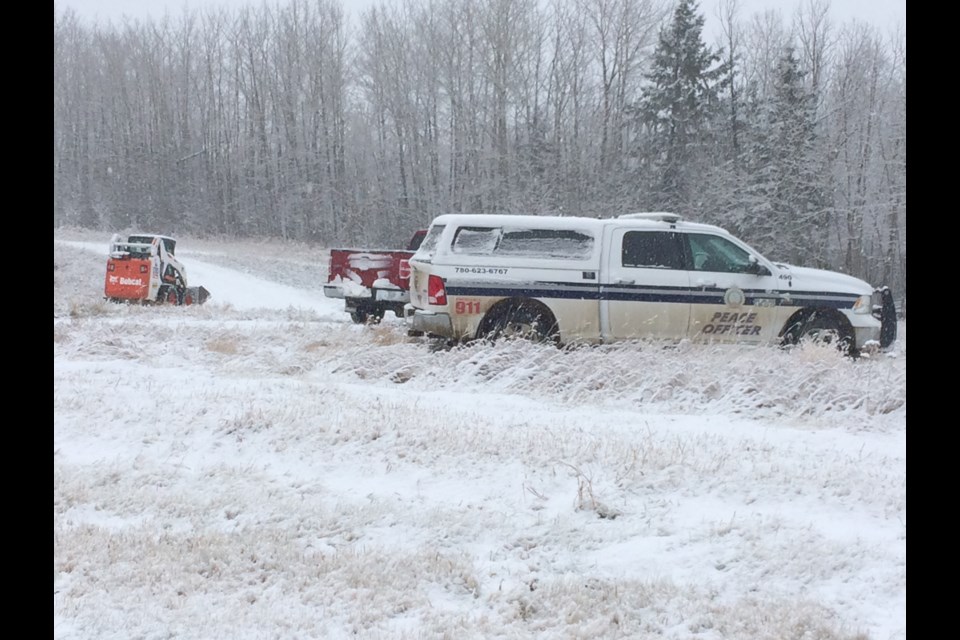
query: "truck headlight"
864, 304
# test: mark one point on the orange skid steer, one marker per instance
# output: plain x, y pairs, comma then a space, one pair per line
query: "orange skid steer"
143, 269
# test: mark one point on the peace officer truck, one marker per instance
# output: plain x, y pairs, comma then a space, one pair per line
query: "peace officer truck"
638, 276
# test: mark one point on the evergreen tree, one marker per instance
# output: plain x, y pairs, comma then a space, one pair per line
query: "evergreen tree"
789, 207
679, 107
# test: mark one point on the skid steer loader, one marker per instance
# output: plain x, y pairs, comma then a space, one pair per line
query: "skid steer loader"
142, 269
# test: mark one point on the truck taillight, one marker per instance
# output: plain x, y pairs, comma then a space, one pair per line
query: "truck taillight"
436, 293
404, 270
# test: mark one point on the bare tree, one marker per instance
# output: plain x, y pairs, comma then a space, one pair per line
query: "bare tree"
814, 34
764, 40
623, 31
286, 120
855, 94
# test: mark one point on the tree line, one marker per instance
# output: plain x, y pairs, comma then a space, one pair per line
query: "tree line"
291, 120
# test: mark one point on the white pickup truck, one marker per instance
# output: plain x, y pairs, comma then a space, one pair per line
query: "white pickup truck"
638, 276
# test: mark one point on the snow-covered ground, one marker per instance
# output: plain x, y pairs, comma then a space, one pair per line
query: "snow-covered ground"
260, 467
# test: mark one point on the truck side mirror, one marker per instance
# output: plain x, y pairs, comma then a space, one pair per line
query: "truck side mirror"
756, 268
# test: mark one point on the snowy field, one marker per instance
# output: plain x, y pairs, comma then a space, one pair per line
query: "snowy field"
260, 467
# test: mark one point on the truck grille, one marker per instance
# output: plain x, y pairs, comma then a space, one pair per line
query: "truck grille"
885, 310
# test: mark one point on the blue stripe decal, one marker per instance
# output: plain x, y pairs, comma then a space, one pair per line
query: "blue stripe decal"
646, 293
533, 290
621, 293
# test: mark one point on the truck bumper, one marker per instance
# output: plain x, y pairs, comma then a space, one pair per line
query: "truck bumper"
437, 324
391, 295
885, 310
333, 291
879, 329
865, 336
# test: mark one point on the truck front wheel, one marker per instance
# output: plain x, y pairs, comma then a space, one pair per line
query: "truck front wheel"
821, 327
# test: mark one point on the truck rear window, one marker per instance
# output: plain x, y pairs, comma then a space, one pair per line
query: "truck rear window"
652, 250
528, 243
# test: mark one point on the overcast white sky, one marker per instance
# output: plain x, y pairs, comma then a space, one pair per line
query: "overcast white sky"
883, 14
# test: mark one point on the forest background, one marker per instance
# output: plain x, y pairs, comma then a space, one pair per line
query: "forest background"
290, 120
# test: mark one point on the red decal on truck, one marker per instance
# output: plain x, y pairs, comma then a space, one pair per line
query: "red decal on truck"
466, 307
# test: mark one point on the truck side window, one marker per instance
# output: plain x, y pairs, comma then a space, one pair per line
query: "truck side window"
546, 243
652, 250
430, 241
476, 240
713, 253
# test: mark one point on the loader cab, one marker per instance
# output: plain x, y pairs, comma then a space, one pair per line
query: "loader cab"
146, 245
136, 251
168, 243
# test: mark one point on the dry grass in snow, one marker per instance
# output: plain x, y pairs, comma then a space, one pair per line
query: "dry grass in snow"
278, 472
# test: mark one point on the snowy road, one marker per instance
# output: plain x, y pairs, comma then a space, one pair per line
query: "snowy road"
245, 292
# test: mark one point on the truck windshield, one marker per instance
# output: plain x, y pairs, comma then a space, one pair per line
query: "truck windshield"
416, 240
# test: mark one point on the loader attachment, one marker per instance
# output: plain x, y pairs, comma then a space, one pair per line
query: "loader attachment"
195, 295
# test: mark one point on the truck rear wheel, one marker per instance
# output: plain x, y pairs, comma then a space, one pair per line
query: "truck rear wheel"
524, 320
367, 316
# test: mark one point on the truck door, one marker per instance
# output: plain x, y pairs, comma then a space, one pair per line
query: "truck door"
736, 294
644, 288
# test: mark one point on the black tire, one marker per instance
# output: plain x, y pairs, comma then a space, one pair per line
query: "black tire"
524, 322
359, 316
822, 328
169, 294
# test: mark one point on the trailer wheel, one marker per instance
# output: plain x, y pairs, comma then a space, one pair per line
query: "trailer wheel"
358, 316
